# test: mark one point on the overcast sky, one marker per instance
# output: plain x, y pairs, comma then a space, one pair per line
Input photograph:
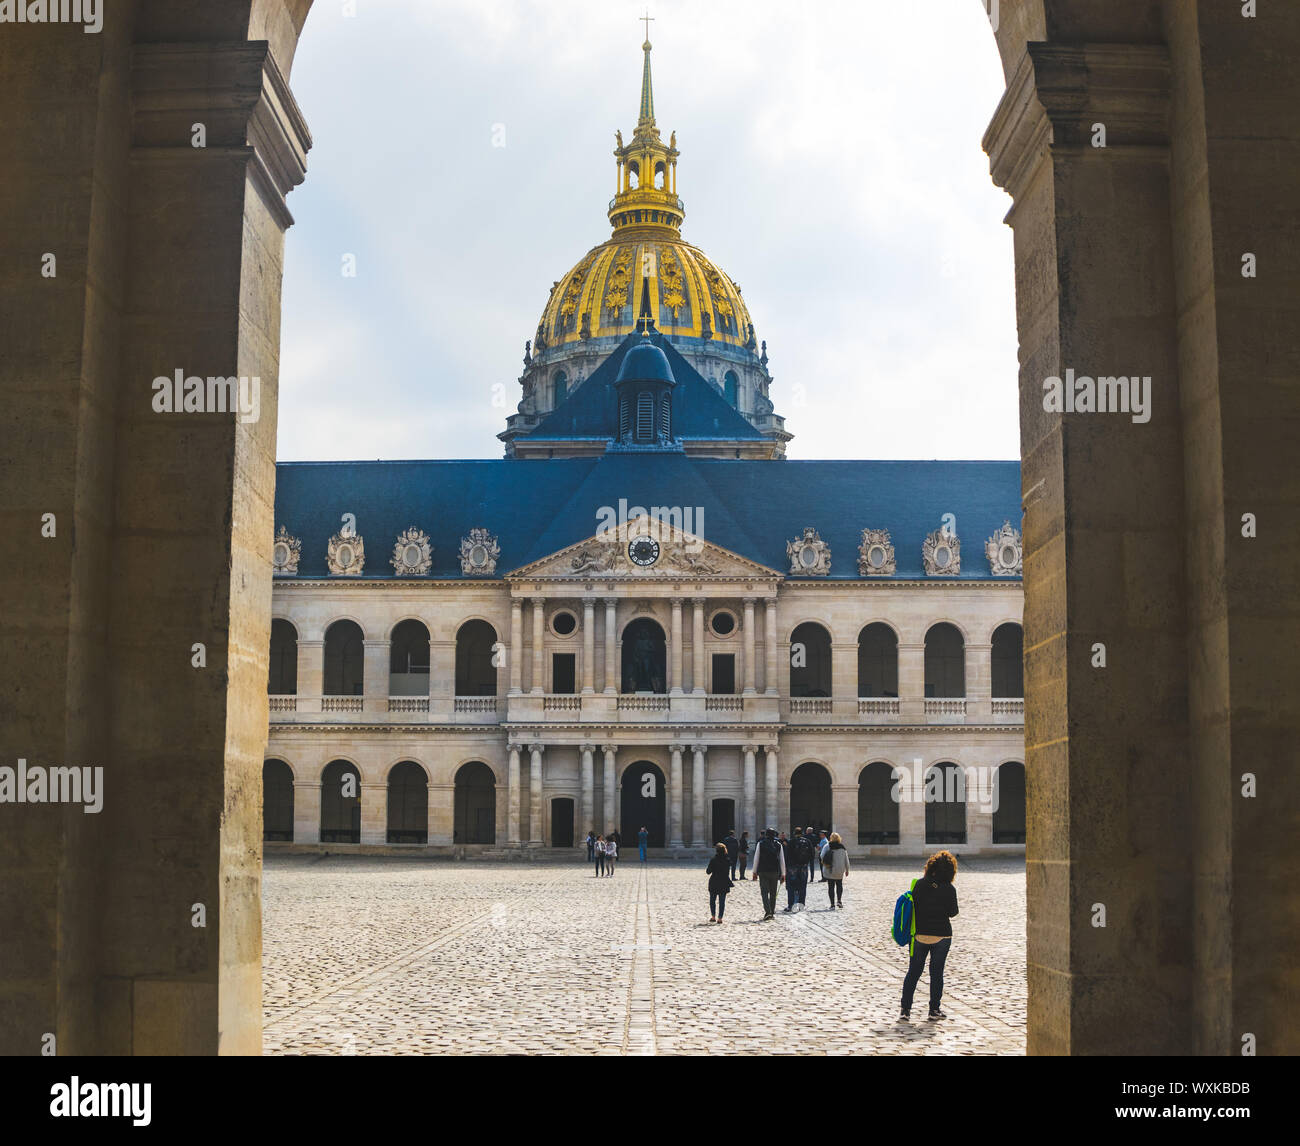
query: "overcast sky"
830, 164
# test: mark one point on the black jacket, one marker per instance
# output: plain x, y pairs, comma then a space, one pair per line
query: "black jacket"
733, 845
933, 905
719, 872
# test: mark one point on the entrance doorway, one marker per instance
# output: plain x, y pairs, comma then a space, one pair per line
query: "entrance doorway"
724, 819
643, 804
810, 797
475, 805
561, 823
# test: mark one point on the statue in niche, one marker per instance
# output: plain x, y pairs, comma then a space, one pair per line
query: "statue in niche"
643, 673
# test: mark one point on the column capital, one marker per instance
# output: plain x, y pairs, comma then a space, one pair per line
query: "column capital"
589, 602
749, 749
772, 750
749, 602
699, 749
609, 749
699, 602
537, 602
517, 603
610, 602
677, 747
515, 746
537, 746
587, 747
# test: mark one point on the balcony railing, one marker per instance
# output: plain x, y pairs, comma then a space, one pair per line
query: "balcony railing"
475, 704
284, 704
561, 702
879, 706
340, 704
642, 703
945, 706
408, 704
1009, 706
811, 706
724, 704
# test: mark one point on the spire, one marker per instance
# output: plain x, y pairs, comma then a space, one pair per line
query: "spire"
646, 117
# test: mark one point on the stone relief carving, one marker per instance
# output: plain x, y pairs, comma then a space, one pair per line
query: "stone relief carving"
479, 551
1005, 552
692, 561
941, 553
285, 553
597, 558
412, 555
346, 555
809, 555
876, 554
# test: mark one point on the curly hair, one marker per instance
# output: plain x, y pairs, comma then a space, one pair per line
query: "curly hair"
941, 866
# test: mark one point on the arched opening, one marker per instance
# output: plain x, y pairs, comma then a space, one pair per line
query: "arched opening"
945, 805
408, 660
559, 388
877, 661
1009, 804
476, 675
945, 661
475, 804
660, 173
731, 388
408, 804
340, 803
877, 805
810, 660
562, 822
810, 796
633, 176
644, 801
277, 801
345, 662
1008, 657
644, 657
723, 820
282, 680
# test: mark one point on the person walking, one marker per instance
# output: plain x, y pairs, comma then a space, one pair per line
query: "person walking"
591, 846
798, 855
719, 872
598, 850
732, 845
835, 864
823, 843
611, 854
744, 853
810, 835
642, 842
769, 870
934, 903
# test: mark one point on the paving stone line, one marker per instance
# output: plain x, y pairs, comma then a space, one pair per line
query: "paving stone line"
639, 1033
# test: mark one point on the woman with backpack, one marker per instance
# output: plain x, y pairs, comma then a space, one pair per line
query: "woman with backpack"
719, 873
934, 903
835, 866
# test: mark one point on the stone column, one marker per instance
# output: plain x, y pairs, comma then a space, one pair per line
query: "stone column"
911, 806
697, 796
749, 810
609, 750
844, 678
539, 668
771, 809
588, 646
306, 811
749, 646
442, 677
979, 683
844, 813
441, 818
375, 685
512, 798
588, 814
516, 646
675, 798
911, 681
771, 680
697, 645
535, 795
374, 813
675, 650
311, 675
611, 651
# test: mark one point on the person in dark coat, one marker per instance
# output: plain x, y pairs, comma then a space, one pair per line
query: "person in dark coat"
934, 903
719, 871
733, 850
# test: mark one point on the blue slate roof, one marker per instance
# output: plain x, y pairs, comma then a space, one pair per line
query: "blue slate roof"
752, 507
699, 410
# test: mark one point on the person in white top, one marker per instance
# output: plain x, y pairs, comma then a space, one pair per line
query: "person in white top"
611, 854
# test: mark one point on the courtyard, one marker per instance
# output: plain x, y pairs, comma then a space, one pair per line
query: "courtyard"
374, 955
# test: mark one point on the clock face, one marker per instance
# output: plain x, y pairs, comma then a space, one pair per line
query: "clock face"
643, 550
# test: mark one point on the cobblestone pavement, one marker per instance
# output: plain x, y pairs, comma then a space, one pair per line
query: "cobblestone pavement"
376, 955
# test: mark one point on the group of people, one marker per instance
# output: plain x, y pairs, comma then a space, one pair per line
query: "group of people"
793, 860
603, 850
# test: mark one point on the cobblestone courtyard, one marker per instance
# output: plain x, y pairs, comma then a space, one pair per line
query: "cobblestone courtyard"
374, 955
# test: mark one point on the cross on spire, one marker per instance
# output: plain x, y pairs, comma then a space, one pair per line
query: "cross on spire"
646, 20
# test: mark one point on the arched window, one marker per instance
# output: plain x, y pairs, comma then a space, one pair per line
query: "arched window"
1009, 804
810, 660
731, 387
283, 677
877, 661
277, 801
1008, 661
644, 657
877, 807
659, 176
344, 659
408, 804
945, 661
475, 805
945, 805
340, 803
645, 416
810, 796
408, 660
559, 388
476, 675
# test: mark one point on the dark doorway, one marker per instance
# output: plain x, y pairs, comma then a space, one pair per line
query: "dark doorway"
340, 804
1009, 804
563, 675
945, 805
561, 823
724, 674
810, 661
475, 805
408, 804
724, 820
644, 657
643, 804
277, 801
810, 797
877, 807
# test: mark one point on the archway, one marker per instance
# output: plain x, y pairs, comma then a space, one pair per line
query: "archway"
1008, 661
810, 660
644, 796
282, 680
945, 805
877, 807
644, 657
475, 805
945, 661
810, 797
1009, 804
408, 804
476, 674
408, 660
345, 664
877, 661
340, 803
277, 801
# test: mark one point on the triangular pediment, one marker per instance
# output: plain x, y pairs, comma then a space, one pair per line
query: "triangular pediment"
642, 549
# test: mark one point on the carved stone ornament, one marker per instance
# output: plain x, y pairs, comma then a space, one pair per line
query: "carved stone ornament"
809, 555
284, 554
1005, 552
346, 556
941, 553
595, 558
876, 554
478, 553
412, 555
